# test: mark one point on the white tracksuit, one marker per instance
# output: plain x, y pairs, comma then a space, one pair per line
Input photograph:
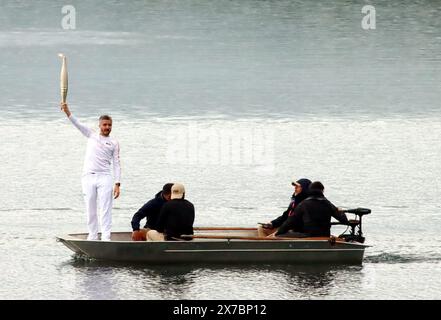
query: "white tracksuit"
97, 179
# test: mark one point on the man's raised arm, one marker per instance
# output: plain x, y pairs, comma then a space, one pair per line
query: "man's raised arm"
84, 130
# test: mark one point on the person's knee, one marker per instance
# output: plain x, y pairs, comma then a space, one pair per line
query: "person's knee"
90, 200
151, 235
154, 235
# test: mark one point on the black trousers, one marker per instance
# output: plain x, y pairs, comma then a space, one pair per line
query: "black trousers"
293, 234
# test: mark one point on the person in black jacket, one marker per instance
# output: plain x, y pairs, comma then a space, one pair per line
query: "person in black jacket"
300, 193
176, 217
312, 218
150, 211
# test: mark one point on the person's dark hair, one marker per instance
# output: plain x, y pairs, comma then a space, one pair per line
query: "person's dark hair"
166, 189
316, 186
105, 117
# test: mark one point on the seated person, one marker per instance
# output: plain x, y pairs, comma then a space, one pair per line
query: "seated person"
300, 193
312, 218
176, 217
150, 211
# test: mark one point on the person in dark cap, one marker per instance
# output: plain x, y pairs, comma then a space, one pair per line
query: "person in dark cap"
300, 193
150, 211
312, 218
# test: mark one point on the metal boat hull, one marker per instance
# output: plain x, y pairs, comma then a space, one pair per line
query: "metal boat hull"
296, 251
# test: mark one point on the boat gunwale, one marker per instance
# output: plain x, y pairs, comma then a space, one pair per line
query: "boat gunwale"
72, 238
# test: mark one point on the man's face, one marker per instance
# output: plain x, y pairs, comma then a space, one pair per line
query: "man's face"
105, 127
297, 189
167, 196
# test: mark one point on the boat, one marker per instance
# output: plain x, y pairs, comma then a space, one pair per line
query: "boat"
226, 245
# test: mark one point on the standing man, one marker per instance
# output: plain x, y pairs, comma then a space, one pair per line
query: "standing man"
97, 176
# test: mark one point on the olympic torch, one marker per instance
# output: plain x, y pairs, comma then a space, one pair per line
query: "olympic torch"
63, 78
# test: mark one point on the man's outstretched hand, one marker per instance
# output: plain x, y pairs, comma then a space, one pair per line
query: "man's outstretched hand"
65, 108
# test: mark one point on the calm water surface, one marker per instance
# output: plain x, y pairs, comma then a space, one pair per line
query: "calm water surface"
305, 90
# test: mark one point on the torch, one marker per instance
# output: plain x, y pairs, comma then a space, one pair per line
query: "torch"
63, 78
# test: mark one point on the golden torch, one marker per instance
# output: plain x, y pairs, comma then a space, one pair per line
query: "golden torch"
63, 78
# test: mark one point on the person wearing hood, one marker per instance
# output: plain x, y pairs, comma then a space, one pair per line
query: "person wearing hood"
300, 193
150, 211
312, 218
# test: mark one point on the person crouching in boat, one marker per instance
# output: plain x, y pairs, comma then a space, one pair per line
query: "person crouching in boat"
150, 211
300, 193
176, 217
312, 216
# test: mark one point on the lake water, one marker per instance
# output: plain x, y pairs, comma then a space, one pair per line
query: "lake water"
290, 88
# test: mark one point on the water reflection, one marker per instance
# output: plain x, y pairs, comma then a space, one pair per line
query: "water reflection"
208, 281
311, 277
143, 281
309, 281
95, 283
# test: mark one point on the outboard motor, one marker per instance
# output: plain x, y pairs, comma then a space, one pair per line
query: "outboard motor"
355, 234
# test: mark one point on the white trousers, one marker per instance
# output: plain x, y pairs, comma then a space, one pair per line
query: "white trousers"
98, 191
